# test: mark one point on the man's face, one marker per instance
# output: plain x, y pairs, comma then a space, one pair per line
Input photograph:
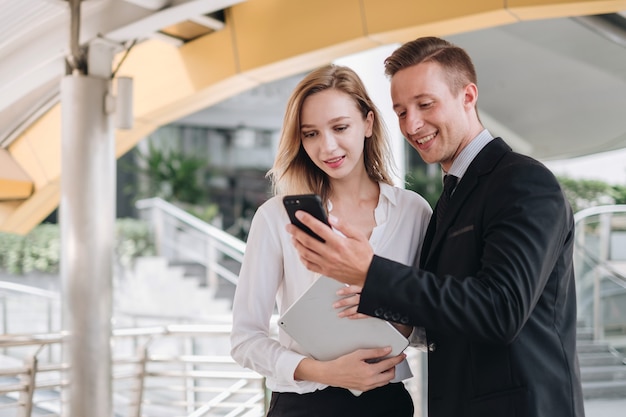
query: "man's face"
433, 120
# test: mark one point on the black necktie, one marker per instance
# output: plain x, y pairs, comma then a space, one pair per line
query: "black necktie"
449, 182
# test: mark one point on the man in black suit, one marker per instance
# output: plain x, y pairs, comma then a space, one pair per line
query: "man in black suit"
495, 286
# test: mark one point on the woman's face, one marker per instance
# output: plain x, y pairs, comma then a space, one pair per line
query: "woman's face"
333, 133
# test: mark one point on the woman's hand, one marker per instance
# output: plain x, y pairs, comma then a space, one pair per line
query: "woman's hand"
349, 303
360, 370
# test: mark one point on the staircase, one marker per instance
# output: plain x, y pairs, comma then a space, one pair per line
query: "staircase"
162, 290
602, 368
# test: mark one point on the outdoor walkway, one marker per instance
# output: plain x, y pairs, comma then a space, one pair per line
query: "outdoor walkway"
606, 408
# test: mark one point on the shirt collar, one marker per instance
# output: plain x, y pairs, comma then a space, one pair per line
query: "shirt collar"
386, 191
467, 155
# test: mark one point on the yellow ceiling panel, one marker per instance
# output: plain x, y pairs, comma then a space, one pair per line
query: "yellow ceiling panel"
21, 217
38, 150
14, 183
542, 9
268, 31
164, 74
432, 18
6, 209
14, 190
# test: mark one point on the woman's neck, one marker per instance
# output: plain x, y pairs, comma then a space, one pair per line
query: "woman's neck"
355, 192
354, 202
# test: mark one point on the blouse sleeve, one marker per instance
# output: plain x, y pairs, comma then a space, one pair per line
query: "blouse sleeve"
261, 275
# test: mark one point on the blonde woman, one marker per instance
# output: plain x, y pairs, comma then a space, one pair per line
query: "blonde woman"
333, 144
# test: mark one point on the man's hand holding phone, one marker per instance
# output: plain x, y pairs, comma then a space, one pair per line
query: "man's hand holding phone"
312, 204
344, 258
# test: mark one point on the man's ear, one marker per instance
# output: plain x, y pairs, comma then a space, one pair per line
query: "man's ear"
470, 95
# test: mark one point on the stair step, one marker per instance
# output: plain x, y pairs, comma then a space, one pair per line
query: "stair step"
599, 359
604, 389
584, 347
584, 333
603, 373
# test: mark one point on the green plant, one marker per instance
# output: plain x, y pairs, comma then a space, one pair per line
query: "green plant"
429, 187
171, 174
175, 177
203, 212
132, 239
585, 193
618, 192
40, 250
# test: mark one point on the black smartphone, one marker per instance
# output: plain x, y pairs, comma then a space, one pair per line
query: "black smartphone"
312, 204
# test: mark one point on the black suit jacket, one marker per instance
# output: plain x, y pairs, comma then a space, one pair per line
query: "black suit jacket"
495, 293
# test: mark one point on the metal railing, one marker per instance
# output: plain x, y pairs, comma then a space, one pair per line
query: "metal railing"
46, 300
181, 236
167, 374
174, 369
600, 265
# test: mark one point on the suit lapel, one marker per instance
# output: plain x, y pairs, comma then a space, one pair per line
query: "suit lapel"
482, 164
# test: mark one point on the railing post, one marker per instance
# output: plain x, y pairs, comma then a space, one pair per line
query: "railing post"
50, 319
212, 260
141, 379
603, 256
3, 301
26, 397
598, 332
188, 380
158, 222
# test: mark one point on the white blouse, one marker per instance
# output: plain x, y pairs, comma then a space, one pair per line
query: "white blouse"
272, 273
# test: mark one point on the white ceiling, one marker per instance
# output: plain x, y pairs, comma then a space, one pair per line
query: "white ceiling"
556, 83
556, 86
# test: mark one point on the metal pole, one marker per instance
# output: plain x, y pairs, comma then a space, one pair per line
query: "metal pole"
26, 397
87, 215
603, 256
76, 59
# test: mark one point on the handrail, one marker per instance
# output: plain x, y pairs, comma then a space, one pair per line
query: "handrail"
616, 276
239, 389
27, 289
193, 221
594, 267
51, 299
181, 236
592, 211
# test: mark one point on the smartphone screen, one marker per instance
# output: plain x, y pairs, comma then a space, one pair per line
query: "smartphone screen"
312, 204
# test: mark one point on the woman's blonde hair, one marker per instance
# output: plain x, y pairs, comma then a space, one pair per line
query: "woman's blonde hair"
293, 171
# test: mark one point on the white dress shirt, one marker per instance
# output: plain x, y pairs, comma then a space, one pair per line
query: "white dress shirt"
467, 155
272, 273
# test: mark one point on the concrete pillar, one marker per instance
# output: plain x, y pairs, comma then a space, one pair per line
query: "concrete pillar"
87, 218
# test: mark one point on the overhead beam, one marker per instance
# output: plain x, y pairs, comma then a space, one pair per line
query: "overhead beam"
167, 17
14, 183
262, 41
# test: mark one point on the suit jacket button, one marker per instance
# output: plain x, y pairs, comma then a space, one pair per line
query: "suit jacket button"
379, 312
432, 346
395, 317
404, 320
387, 315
